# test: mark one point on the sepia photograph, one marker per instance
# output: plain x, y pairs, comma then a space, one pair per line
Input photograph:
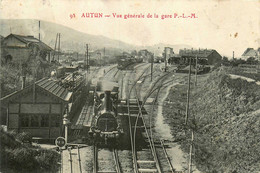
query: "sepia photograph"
130, 86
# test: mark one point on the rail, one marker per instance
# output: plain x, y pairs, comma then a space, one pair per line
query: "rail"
150, 138
130, 125
95, 160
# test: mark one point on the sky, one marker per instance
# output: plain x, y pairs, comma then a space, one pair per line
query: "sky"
224, 25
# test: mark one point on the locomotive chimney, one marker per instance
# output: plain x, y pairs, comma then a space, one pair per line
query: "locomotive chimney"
108, 101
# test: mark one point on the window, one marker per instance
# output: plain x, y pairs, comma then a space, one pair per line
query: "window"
25, 119
44, 120
55, 121
34, 120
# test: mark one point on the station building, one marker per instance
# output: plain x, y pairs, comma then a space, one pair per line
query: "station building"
205, 57
209, 55
16, 48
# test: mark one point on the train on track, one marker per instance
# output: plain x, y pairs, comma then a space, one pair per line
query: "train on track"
109, 120
105, 126
127, 62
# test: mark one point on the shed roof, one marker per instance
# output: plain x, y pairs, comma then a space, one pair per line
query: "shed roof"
54, 88
31, 40
48, 85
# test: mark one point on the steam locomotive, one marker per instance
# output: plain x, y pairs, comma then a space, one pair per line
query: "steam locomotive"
105, 125
125, 63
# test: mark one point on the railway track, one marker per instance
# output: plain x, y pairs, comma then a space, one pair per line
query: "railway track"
152, 163
129, 121
111, 165
163, 158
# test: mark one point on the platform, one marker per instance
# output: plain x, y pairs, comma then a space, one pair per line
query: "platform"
84, 119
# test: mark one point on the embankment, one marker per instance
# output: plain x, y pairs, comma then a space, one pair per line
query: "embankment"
225, 116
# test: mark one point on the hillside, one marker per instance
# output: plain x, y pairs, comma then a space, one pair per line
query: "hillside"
71, 40
225, 117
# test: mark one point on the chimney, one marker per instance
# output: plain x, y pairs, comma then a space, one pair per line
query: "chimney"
23, 82
108, 101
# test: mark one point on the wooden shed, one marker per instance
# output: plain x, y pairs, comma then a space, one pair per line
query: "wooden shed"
37, 109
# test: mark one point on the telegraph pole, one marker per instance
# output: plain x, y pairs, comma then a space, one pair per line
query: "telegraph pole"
190, 156
188, 96
122, 85
165, 60
86, 58
59, 49
196, 72
39, 30
152, 68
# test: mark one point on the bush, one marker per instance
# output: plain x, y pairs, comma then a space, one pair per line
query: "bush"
24, 137
22, 158
17, 156
47, 158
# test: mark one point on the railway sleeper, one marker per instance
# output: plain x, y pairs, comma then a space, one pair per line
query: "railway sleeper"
141, 170
145, 161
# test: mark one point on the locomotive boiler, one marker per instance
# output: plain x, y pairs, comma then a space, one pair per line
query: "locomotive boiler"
105, 124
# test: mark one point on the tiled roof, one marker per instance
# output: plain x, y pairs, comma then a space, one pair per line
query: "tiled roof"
54, 88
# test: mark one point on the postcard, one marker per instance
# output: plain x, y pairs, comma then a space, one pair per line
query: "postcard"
130, 86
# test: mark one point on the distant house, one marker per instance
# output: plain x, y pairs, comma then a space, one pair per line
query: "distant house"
19, 47
37, 109
250, 52
209, 55
168, 52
